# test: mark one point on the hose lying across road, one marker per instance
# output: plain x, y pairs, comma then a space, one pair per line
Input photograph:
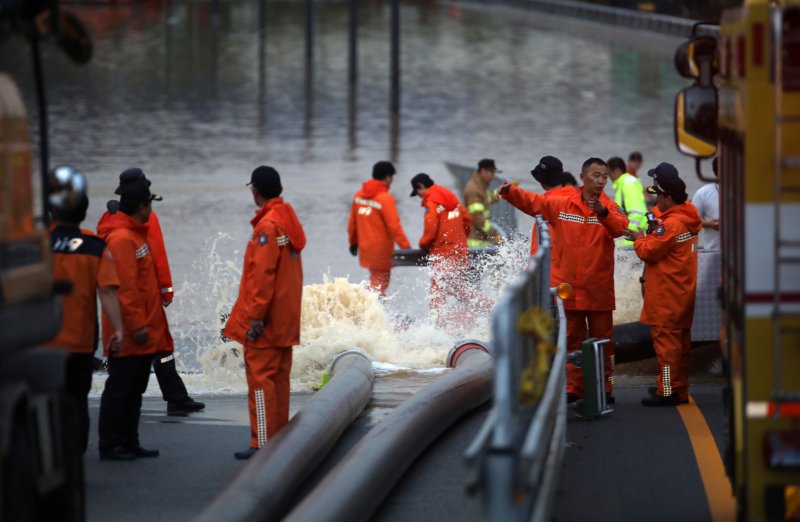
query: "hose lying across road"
264, 487
355, 488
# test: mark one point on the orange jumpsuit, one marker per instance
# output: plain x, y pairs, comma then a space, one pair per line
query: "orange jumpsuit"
139, 292
158, 251
670, 282
374, 226
446, 227
555, 253
585, 254
271, 291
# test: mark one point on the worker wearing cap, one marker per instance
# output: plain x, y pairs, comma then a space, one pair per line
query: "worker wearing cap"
585, 223
446, 227
82, 258
478, 199
266, 315
144, 325
549, 172
374, 227
173, 390
629, 196
669, 250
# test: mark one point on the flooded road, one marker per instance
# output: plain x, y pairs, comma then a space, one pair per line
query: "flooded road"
197, 98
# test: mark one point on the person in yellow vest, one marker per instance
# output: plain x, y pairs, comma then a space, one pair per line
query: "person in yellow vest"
629, 196
478, 199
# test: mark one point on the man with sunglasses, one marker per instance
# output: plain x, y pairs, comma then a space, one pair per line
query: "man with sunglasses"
669, 250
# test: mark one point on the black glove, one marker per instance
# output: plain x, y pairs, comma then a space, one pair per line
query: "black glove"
353, 250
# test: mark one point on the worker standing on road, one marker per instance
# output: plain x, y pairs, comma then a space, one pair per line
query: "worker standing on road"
669, 251
144, 326
629, 196
478, 199
585, 224
446, 227
82, 259
173, 390
266, 316
374, 227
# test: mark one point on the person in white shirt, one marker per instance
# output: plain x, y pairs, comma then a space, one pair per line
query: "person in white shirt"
706, 199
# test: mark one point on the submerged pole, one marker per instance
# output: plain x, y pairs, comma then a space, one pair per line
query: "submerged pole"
264, 488
355, 488
395, 57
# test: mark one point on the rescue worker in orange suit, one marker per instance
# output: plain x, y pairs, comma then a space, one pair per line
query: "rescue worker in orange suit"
374, 227
82, 258
585, 223
173, 390
549, 172
669, 250
144, 326
446, 227
266, 315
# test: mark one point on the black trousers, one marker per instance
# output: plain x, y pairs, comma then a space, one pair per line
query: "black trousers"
121, 402
171, 384
77, 384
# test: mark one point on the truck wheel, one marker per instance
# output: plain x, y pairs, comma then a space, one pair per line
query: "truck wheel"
67, 502
18, 471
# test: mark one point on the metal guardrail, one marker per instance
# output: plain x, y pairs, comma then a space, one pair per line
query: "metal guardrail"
517, 454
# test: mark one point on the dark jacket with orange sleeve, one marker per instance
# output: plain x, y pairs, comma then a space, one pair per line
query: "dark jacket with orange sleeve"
585, 245
139, 293
446, 226
374, 226
271, 287
84, 260
670, 272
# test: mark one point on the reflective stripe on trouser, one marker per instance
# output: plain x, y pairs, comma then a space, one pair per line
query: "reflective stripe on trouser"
267, 371
379, 280
598, 323
672, 352
172, 387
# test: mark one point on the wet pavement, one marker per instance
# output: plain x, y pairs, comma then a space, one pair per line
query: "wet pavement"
632, 465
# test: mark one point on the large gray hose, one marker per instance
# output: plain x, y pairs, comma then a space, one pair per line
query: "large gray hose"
355, 488
264, 487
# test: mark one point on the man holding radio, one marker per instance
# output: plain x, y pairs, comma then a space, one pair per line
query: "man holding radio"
669, 250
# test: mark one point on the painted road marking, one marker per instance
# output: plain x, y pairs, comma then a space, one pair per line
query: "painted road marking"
718, 488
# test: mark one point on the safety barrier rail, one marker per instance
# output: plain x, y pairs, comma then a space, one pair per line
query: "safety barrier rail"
517, 454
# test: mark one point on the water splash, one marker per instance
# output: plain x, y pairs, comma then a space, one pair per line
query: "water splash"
398, 333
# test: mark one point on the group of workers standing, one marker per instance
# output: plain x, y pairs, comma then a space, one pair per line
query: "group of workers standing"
126, 265
584, 224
